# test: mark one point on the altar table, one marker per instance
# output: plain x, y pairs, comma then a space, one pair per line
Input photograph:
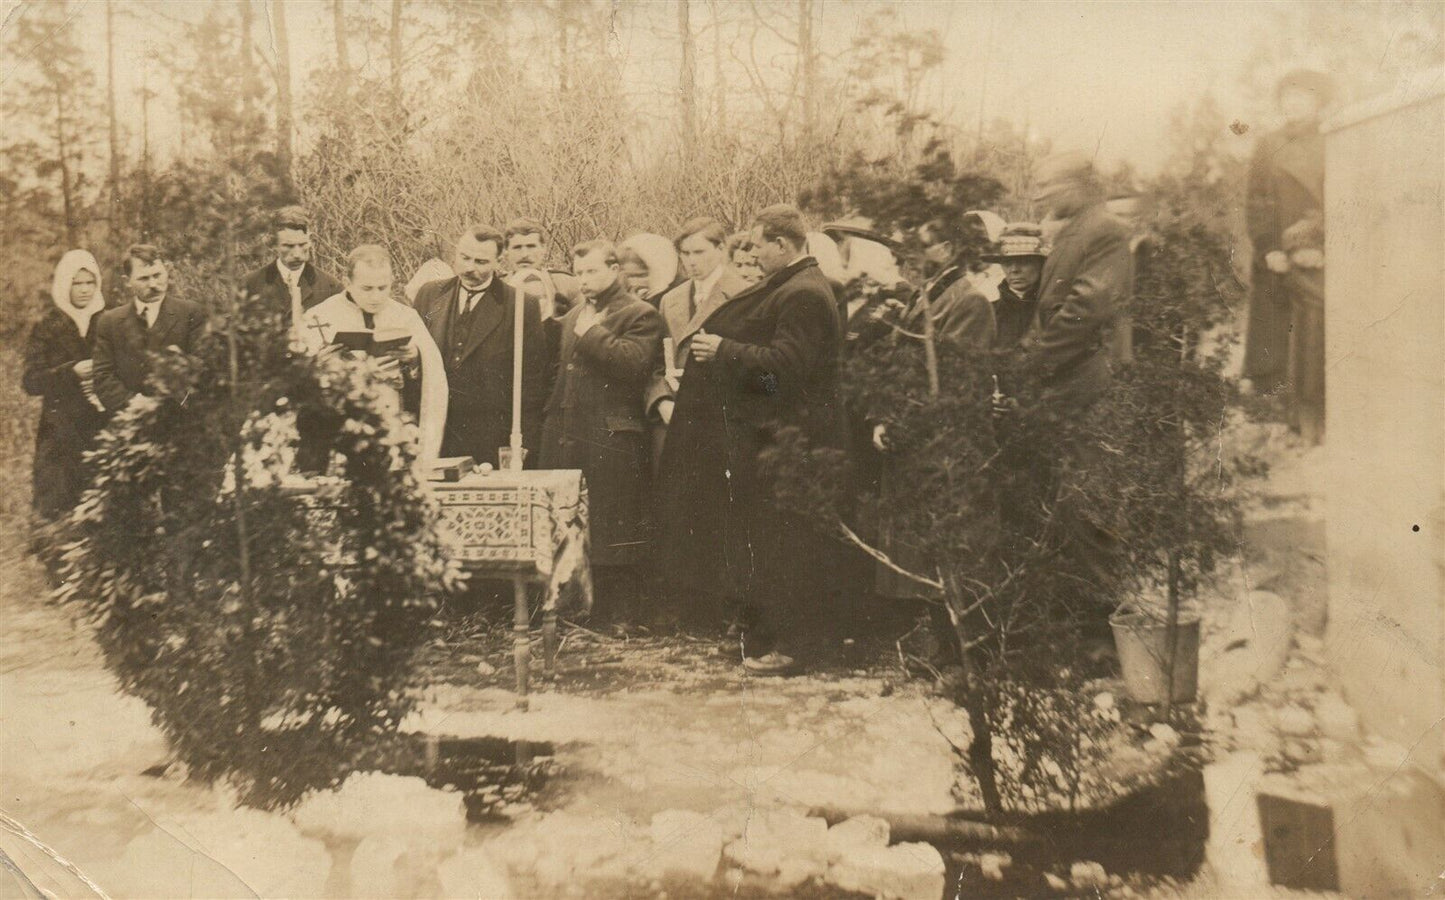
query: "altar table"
529, 526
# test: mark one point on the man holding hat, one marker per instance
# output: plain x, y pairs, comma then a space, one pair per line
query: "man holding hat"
1020, 251
1286, 185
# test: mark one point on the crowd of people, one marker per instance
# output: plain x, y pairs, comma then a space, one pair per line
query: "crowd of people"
663, 368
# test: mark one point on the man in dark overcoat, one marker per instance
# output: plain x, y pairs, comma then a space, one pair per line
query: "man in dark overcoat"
1085, 281
291, 283
609, 347
149, 322
1286, 185
765, 359
472, 318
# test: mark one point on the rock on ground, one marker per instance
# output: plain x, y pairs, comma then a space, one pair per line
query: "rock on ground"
227, 853
370, 803
777, 836
857, 833
900, 872
686, 843
473, 875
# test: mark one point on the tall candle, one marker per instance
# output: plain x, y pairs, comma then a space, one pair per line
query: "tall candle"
518, 326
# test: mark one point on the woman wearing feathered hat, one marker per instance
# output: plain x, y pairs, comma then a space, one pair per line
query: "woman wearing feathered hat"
58, 370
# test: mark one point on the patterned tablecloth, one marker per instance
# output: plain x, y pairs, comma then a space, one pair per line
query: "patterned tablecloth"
531, 524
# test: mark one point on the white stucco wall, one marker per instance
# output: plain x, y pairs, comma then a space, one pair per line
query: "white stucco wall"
1385, 385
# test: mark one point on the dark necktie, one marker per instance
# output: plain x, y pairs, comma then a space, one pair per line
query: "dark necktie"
368, 320
470, 303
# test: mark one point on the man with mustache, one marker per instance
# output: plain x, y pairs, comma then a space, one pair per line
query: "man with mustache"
150, 323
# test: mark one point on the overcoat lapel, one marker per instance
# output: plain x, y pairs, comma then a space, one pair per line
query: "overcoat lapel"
728, 286
1062, 248
443, 311
489, 313
164, 323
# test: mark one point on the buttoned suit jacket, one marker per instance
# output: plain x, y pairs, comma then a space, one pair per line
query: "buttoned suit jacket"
479, 372
123, 346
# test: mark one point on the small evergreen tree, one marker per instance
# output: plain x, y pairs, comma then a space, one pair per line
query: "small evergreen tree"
273, 640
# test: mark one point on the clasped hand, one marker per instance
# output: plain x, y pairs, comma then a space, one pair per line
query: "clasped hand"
704, 346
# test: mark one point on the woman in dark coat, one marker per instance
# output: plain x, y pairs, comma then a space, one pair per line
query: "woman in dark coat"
58, 370
1286, 185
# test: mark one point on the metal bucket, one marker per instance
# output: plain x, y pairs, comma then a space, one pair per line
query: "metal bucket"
1142, 642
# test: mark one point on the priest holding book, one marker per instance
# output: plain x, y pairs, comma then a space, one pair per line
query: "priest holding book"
364, 320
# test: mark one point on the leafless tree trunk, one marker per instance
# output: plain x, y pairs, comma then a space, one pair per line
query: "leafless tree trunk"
395, 51
719, 82
564, 54
338, 24
687, 88
807, 66
284, 116
115, 223
62, 147
143, 207
248, 65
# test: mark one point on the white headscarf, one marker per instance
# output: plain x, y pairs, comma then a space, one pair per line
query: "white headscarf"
431, 270
659, 255
71, 264
830, 261
872, 259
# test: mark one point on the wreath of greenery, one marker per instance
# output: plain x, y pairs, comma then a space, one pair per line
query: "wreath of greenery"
273, 640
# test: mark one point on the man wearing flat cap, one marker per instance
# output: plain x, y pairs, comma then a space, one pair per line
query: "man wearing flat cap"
1286, 185
1020, 251
1085, 281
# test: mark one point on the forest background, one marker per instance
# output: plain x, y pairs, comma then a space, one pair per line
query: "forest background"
397, 121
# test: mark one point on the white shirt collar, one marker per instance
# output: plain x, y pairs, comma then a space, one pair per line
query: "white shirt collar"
463, 292
704, 287
151, 310
291, 278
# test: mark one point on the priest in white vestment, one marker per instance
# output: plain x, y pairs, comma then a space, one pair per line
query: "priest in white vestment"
366, 308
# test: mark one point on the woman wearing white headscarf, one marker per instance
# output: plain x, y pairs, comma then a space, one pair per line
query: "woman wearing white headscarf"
58, 370
649, 266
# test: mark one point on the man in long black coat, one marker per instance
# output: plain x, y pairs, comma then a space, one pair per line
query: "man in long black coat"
1085, 282
291, 283
472, 318
610, 346
765, 359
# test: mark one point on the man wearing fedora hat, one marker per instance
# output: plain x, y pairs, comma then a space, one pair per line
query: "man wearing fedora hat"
1020, 251
1286, 185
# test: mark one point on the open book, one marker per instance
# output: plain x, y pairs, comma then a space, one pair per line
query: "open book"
374, 343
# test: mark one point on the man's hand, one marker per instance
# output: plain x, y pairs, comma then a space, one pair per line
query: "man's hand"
704, 346
664, 411
880, 439
586, 319
84, 369
407, 357
1277, 262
